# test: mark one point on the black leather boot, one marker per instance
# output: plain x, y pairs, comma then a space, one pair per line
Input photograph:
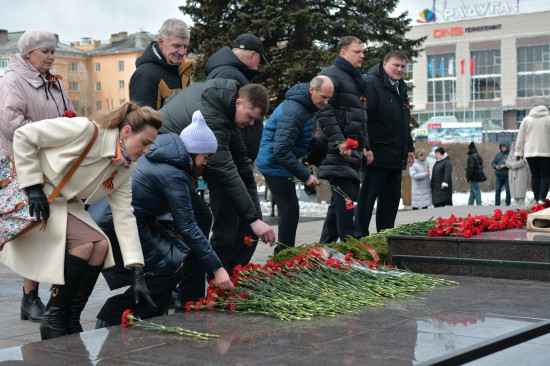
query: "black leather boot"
83, 292
54, 322
32, 307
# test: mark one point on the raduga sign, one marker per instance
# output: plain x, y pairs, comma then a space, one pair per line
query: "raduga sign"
479, 10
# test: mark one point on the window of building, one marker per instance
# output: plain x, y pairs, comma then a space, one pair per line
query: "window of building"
98, 105
73, 66
74, 86
121, 66
486, 77
4, 62
441, 78
97, 67
121, 101
121, 85
408, 78
97, 86
533, 71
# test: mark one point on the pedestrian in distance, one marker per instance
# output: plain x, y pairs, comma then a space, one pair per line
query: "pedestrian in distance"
421, 191
442, 179
501, 173
474, 174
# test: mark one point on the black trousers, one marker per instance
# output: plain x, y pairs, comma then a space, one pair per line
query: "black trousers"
339, 220
160, 289
284, 192
382, 184
229, 230
540, 176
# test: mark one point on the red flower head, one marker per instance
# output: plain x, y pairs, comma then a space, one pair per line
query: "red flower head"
351, 144
349, 257
189, 306
127, 318
350, 205
69, 114
248, 241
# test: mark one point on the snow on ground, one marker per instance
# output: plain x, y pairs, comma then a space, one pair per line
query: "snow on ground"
310, 208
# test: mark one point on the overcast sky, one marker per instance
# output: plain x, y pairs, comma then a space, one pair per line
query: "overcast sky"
98, 19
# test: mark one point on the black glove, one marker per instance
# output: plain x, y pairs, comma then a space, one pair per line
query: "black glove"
38, 203
141, 292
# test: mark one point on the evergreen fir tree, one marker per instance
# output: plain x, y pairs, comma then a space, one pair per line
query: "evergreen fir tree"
299, 36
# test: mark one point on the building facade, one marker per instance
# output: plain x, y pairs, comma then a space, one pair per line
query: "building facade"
488, 70
95, 75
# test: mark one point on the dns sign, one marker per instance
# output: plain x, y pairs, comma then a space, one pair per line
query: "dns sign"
443, 32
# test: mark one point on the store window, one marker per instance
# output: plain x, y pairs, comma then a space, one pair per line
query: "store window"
441, 78
533, 71
487, 76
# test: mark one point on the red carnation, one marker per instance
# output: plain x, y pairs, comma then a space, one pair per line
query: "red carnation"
127, 318
351, 144
248, 241
349, 257
350, 205
69, 114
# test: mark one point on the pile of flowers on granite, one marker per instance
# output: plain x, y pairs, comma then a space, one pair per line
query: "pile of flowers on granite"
473, 225
129, 320
310, 285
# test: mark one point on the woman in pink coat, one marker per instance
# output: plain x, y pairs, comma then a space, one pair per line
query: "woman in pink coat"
30, 91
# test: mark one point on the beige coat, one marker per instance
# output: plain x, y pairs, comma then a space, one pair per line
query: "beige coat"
534, 134
517, 176
24, 99
44, 151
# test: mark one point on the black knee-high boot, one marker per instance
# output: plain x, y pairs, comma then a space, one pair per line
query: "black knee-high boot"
83, 292
54, 321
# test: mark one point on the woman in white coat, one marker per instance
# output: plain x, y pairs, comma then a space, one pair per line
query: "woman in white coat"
420, 174
517, 176
72, 250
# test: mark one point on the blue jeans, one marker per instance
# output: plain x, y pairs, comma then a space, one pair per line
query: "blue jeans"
502, 181
475, 194
284, 192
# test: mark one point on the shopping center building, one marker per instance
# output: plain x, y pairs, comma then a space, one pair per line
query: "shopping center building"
485, 69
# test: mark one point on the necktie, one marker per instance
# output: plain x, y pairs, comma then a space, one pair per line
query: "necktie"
396, 85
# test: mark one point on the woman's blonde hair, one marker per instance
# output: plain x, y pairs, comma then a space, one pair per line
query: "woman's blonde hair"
130, 114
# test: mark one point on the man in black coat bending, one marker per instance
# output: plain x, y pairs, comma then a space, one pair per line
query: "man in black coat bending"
344, 117
241, 63
391, 143
225, 107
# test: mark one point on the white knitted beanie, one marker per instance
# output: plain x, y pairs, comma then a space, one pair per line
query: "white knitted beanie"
198, 138
34, 39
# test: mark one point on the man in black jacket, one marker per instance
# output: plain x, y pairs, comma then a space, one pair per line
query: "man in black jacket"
161, 71
240, 64
342, 118
391, 143
224, 107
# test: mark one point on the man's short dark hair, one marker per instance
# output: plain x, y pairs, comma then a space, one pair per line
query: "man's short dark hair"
440, 150
397, 54
257, 95
346, 41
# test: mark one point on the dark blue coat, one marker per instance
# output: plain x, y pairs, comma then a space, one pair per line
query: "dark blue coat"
161, 184
287, 135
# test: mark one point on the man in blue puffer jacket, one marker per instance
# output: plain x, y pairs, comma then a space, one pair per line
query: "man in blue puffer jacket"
166, 205
285, 140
